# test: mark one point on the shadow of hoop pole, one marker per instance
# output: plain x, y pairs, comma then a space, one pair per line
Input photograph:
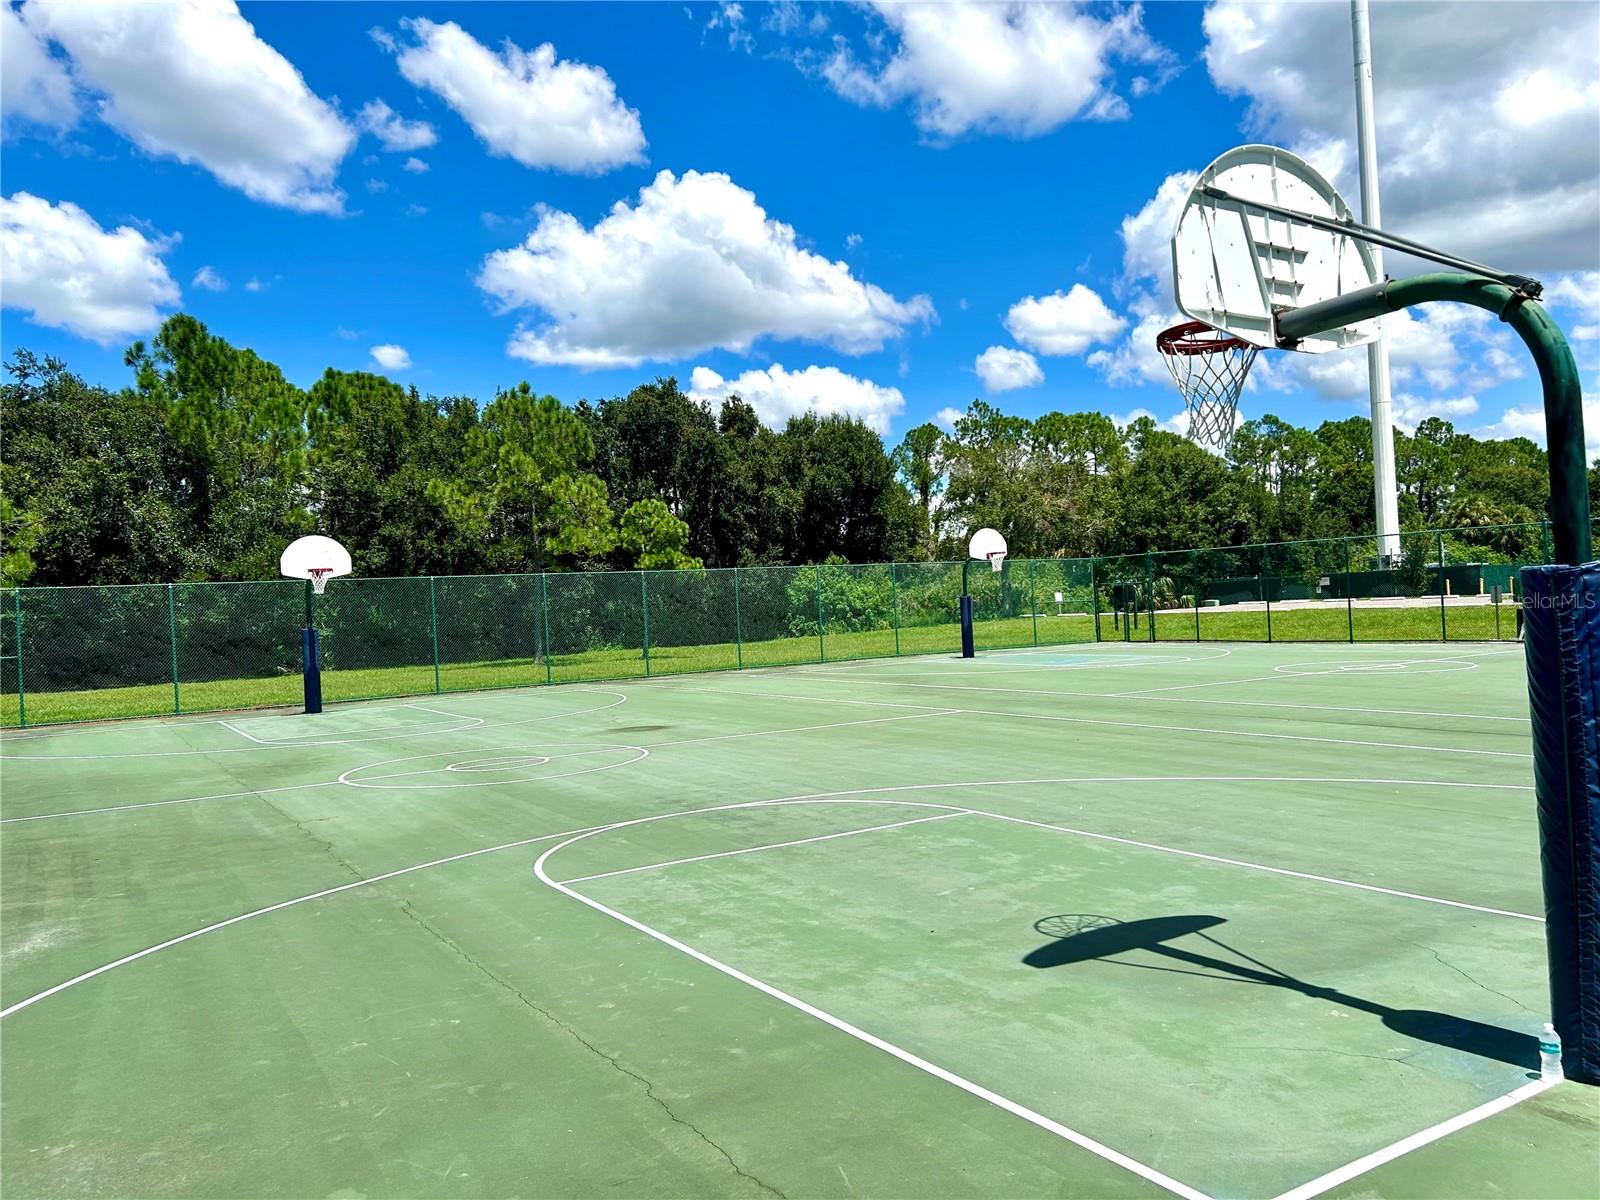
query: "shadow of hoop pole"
1081, 938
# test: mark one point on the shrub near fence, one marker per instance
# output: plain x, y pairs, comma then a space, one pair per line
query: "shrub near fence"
86, 653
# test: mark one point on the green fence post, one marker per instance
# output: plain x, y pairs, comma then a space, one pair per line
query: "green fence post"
1194, 580
1544, 539
22, 691
1266, 596
1094, 597
1150, 595
644, 603
433, 620
1033, 604
544, 608
894, 597
822, 646
172, 638
1444, 621
738, 622
1349, 595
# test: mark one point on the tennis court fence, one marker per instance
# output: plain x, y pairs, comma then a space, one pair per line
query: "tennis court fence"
88, 653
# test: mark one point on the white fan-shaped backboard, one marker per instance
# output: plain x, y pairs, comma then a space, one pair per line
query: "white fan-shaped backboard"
1234, 266
984, 543
313, 553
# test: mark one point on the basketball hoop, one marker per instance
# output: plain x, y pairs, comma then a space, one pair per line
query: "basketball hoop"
996, 560
314, 558
1209, 366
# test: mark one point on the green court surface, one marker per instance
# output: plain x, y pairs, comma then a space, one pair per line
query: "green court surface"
1092, 921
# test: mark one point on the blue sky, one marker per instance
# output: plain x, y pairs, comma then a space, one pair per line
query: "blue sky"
954, 180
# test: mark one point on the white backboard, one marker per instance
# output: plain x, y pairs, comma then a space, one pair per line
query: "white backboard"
314, 553
1234, 267
985, 543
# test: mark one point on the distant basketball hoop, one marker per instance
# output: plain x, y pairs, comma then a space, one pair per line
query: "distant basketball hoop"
316, 559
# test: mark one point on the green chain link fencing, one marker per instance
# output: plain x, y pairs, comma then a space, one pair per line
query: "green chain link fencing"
89, 653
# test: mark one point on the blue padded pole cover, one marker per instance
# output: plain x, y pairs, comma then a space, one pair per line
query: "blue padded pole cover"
311, 669
1561, 623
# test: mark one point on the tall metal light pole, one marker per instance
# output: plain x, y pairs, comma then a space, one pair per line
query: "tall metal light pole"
1385, 493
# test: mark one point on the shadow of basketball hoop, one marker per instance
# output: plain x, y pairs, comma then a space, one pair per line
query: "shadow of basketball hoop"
1088, 937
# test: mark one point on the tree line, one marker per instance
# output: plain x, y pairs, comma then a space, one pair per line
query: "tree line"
210, 460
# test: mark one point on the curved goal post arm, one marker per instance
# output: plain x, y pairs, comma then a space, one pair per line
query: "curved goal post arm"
1561, 623
1558, 373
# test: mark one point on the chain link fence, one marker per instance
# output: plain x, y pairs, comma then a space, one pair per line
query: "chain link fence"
89, 653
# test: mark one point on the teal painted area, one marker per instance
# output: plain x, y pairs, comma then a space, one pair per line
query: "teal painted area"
462, 1029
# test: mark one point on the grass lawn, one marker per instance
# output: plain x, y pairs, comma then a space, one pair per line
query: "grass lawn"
1330, 624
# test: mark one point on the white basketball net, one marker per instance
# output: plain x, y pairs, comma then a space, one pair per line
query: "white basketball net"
996, 559
1211, 381
319, 577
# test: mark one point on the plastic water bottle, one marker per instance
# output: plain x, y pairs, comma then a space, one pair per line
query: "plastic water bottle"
1550, 1053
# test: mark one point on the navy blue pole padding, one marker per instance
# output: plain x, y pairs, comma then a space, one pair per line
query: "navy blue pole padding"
966, 627
311, 668
1561, 624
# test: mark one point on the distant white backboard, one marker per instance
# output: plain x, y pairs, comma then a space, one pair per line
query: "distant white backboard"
986, 544
316, 558
1233, 267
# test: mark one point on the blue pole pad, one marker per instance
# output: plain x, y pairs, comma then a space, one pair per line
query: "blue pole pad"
966, 627
311, 668
1561, 625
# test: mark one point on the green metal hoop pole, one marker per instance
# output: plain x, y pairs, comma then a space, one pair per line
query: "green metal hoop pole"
1563, 771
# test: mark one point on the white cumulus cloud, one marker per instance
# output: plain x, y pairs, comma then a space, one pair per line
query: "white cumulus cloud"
415, 166
34, 86
1528, 422
1063, 323
1576, 299
948, 417
67, 272
1488, 116
393, 131
190, 80
208, 280
1004, 369
525, 104
696, 263
1021, 69
777, 394
391, 357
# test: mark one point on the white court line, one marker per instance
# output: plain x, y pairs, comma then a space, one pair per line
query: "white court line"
1387, 712
809, 797
1361, 1166
1241, 733
826, 837
471, 723
1235, 862
260, 912
1304, 1191
1398, 712
724, 737
1139, 692
83, 812
1004, 1103
979, 812
1281, 737
475, 723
